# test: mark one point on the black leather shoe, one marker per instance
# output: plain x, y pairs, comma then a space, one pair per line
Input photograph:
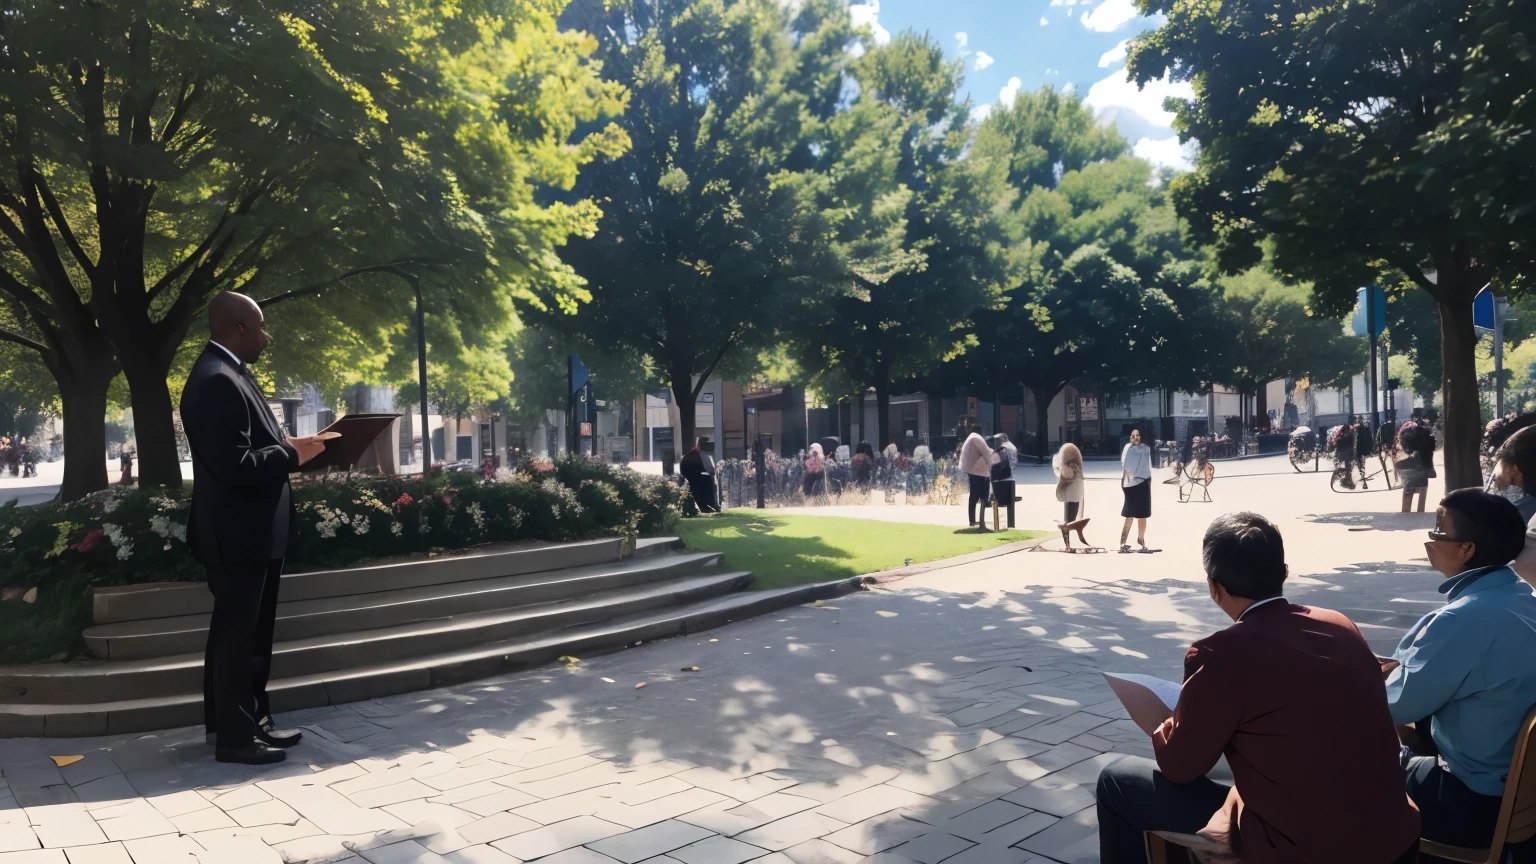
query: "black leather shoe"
254, 753
268, 733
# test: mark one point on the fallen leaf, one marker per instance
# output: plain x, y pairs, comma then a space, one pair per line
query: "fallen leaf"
638, 644
689, 669
714, 640
61, 761
30, 596
641, 684
609, 681
569, 660
884, 614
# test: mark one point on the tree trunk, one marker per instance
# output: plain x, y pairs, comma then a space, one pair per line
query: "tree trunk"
154, 424
85, 434
1261, 404
883, 406
687, 411
1463, 409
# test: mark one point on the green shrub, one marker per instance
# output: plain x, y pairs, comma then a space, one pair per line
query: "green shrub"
125, 535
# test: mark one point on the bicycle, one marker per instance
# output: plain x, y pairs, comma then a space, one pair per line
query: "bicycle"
1386, 473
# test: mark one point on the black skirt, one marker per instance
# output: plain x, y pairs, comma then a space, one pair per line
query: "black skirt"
1138, 501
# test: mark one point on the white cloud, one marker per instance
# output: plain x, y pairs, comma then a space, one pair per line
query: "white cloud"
1110, 15
1167, 152
981, 112
868, 15
963, 38
1114, 55
1117, 91
983, 60
1044, 20
1052, 70
1006, 95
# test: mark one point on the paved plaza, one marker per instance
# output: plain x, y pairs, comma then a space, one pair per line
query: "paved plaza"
957, 715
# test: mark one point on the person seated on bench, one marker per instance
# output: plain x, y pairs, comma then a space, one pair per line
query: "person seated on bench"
1470, 667
1515, 468
1294, 697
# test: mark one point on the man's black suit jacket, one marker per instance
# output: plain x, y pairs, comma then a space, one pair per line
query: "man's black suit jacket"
241, 504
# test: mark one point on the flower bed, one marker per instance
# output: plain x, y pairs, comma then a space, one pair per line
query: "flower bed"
126, 535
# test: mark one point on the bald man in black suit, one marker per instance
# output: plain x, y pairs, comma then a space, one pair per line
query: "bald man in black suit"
238, 527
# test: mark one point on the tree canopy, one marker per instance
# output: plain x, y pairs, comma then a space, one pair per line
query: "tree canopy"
1362, 136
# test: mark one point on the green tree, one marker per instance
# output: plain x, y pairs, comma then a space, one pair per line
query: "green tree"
705, 240
918, 227
156, 153
1269, 334
1360, 136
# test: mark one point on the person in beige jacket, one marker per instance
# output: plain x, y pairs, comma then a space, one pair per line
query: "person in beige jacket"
1068, 463
976, 462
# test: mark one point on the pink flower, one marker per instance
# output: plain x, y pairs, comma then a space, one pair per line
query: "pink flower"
447, 499
91, 539
405, 500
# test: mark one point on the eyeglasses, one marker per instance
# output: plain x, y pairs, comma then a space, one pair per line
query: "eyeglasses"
1438, 536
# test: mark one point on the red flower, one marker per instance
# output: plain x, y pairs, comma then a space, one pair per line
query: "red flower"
405, 500
91, 539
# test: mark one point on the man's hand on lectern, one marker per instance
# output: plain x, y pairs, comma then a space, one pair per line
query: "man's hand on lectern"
308, 447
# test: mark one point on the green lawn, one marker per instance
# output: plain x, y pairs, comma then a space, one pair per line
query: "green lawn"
783, 550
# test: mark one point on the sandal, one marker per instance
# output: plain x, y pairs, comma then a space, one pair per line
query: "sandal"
1125, 548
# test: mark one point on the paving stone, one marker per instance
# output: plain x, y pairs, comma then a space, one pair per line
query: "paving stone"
730, 819
234, 799
579, 855
549, 770
976, 822
383, 796
330, 810
18, 838
651, 790
239, 849
933, 847
61, 825
717, 850
586, 803
558, 837
848, 784
467, 776
983, 712
668, 807
106, 791
496, 802
165, 849
1018, 830
1074, 840
416, 813
821, 852
469, 793
480, 855
314, 850
406, 852
1062, 756
1064, 728
495, 827
591, 777
743, 789
265, 813
648, 842
106, 853
878, 833
210, 819
34, 856
873, 801
180, 803
793, 830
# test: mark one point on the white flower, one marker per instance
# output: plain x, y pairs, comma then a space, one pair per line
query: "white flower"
477, 514
109, 505
124, 551
360, 525
15, 532
396, 528
325, 529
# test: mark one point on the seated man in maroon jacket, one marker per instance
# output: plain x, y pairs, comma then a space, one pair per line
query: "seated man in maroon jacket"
1294, 697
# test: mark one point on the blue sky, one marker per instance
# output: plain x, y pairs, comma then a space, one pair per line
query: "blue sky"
1024, 44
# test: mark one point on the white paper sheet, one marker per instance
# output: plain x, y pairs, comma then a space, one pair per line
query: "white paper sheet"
1148, 700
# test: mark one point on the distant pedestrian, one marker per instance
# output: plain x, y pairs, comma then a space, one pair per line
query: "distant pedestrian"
125, 462
1417, 464
700, 481
1136, 484
976, 462
815, 471
1002, 476
1069, 491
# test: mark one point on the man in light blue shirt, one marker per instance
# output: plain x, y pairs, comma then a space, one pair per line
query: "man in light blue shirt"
1470, 667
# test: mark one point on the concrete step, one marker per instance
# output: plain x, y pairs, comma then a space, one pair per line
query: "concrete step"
120, 603
125, 716
111, 681
302, 619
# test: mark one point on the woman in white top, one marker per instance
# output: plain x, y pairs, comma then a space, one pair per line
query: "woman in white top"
1136, 483
1069, 491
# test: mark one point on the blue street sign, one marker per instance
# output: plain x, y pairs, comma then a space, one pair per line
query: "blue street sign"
1482, 310
1378, 304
